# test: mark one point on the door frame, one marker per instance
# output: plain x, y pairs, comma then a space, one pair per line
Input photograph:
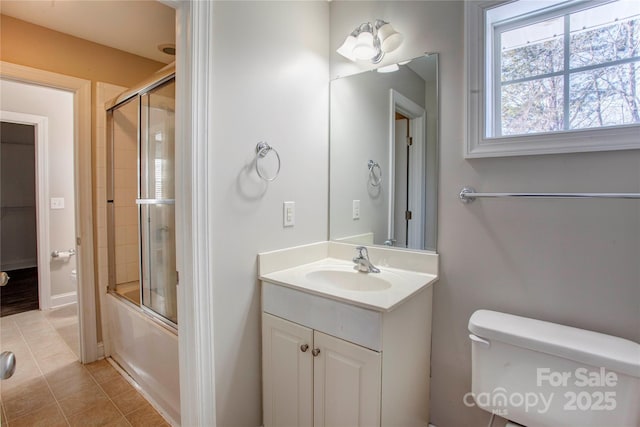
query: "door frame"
417, 165
41, 137
81, 90
194, 210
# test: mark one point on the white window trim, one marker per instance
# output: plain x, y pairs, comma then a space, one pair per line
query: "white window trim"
478, 145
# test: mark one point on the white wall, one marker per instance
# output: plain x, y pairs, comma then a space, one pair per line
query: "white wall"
571, 261
271, 81
57, 105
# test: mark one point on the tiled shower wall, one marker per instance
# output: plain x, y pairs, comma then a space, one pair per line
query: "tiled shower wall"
125, 164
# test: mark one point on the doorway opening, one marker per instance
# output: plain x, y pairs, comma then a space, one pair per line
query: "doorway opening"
18, 224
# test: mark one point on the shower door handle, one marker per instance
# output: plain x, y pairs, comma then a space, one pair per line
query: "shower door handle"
155, 201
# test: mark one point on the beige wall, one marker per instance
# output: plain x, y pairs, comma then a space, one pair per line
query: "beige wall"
572, 262
38, 47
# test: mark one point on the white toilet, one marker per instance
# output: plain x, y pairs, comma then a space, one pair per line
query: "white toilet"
541, 374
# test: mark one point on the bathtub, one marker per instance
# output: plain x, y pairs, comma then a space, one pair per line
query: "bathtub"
147, 351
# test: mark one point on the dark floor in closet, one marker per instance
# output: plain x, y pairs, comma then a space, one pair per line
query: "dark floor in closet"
21, 293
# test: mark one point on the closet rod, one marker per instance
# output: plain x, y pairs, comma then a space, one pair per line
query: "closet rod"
468, 195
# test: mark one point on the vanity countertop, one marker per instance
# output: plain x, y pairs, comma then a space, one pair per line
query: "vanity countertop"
336, 279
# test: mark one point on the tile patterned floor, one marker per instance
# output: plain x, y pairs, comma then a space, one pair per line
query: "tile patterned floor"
52, 388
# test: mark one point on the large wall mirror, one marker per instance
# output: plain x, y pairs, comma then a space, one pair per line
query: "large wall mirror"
384, 156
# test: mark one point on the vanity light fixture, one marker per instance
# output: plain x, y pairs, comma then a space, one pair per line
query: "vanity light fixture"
388, 68
370, 42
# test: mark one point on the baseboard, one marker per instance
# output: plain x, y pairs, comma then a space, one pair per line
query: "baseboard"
100, 350
19, 264
63, 299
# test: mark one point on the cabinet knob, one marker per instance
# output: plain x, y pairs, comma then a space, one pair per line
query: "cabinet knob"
304, 348
315, 352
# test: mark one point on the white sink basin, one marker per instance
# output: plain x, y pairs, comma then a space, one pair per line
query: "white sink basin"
350, 280
337, 279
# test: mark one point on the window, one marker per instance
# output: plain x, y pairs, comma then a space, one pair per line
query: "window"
552, 76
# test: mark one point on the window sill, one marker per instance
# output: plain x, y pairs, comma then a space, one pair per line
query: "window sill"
587, 140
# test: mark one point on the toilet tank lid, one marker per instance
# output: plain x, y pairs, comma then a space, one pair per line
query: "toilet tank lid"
588, 347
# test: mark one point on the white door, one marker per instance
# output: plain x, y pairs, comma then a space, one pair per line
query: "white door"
346, 384
401, 182
287, 372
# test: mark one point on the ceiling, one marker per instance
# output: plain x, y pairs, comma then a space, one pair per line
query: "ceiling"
134, 26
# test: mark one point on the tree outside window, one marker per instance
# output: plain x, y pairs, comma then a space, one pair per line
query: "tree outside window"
576, 70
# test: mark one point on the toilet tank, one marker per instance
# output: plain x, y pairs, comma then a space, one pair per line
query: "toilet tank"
543, 374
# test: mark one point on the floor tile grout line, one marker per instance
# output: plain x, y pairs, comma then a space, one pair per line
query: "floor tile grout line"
63, 340
90, 374
42, 374
112, 364
128, 378
109, 397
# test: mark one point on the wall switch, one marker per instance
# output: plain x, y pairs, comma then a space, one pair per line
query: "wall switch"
289, 214
355, 212
57, 203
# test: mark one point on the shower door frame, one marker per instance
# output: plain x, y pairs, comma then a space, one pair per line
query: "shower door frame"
134, 96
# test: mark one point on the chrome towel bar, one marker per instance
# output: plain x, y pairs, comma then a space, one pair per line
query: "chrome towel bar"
468, 195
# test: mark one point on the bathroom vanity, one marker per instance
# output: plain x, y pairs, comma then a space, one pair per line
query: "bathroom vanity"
343, 347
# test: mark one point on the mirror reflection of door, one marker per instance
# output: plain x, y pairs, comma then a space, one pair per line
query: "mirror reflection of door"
402, 177
408, 163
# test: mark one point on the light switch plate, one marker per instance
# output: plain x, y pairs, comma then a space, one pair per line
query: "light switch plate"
356, 209
57, 203
289, 214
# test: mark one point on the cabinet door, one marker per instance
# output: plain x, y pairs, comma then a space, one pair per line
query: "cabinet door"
347, 381
287, 373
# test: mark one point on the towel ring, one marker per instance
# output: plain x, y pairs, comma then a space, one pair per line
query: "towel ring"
375, 180
262, 149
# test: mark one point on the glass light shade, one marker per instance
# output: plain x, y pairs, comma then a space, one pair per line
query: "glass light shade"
346, 49
388, 68
390, 39
364, 48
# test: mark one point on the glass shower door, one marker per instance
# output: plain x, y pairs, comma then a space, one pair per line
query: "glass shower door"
122, 190
157, 201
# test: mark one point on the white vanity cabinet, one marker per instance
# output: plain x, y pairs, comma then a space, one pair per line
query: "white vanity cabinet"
330, 363
314, 379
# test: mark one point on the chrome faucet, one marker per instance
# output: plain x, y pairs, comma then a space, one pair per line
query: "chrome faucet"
362, 261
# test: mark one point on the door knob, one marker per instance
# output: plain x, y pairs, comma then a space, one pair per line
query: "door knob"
304, 348
7, 364
315, 352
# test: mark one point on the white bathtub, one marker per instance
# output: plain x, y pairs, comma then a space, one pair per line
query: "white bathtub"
147, 351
